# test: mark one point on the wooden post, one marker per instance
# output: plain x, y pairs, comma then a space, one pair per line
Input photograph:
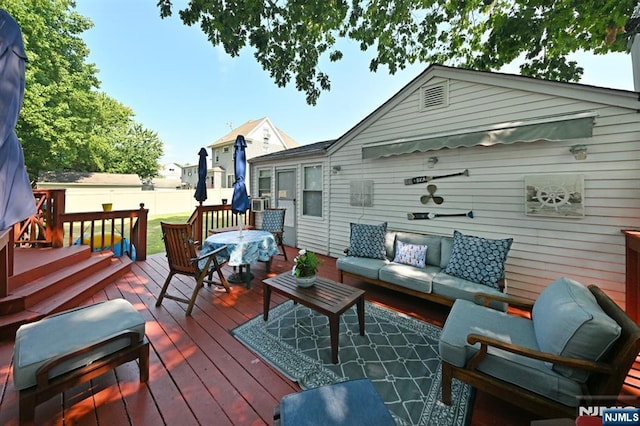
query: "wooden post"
6, 260
632, 296
55, 210
140, 234
197, 231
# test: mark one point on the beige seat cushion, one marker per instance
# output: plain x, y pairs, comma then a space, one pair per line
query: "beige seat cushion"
63, 333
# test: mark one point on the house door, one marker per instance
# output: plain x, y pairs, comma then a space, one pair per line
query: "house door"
285, 199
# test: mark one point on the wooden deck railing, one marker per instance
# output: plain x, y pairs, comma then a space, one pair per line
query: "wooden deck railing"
43, 229
117, 230
122, 231
205, 218
52, 227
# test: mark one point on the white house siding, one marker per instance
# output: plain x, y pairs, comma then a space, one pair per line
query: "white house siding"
312, 232
589, 249
190, 175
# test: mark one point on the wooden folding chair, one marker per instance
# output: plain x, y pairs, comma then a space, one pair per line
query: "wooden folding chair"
184, 259
273, 221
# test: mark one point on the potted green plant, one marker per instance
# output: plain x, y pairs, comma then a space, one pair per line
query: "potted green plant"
305, 268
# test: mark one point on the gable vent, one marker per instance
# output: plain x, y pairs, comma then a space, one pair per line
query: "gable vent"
436, 96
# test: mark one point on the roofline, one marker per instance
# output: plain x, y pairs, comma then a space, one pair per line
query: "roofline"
624, 98
221, 142
308, 150
286, 140
628, 98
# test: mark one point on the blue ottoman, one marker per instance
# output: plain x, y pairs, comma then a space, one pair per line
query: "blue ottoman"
353, 403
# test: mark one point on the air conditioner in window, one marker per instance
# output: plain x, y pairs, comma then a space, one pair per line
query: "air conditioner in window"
259, 204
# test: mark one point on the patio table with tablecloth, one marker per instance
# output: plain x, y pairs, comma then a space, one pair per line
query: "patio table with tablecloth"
244, 249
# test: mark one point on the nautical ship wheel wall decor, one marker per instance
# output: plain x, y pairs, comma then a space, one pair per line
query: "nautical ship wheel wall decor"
554, 195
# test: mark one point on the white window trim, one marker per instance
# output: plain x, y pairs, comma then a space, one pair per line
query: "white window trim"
321, 190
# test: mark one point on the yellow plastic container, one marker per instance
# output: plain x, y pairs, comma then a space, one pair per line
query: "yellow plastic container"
109, 241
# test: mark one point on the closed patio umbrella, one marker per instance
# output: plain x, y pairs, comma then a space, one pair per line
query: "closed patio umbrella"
201, 187
240, 201
16, 197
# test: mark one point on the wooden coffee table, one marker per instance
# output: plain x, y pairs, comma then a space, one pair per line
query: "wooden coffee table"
325, 296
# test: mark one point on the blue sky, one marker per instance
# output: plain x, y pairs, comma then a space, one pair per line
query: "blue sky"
187, 91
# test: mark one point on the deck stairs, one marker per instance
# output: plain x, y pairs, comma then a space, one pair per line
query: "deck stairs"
50, 280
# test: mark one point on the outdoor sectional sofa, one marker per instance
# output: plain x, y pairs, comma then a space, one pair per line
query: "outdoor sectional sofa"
437, 268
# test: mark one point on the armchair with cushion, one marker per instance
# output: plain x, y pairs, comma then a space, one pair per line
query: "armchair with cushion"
577, 343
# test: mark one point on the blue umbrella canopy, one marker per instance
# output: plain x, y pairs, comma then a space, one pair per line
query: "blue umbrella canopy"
240, 201
201, 188
16, 197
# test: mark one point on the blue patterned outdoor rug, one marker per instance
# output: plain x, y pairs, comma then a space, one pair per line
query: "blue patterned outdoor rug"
399, 354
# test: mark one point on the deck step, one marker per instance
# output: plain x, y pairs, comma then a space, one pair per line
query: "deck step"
53, 282
64, 285
33, 263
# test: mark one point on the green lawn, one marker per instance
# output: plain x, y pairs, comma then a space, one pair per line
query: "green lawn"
154, 233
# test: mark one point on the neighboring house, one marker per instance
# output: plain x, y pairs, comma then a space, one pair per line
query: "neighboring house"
170, 171
169, 177
555, 166
262, 138
190, 176
87, 180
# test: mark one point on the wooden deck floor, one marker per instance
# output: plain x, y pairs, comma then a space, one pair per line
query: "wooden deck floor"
200, 374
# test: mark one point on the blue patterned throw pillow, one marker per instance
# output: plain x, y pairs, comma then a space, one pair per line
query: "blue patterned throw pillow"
411, 254
368, 240
478, 259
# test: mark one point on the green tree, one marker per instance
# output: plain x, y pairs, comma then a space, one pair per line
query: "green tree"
65, 122
290, 37
132, 153
109, 122
58, 96
118, 144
